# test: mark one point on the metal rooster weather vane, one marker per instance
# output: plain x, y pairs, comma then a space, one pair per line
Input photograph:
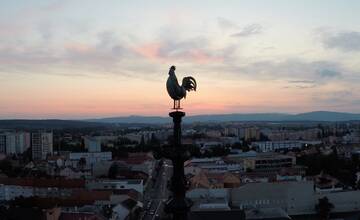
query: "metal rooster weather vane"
178, 206
176, 91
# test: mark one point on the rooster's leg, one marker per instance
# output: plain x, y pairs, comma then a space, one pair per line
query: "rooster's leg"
174, 103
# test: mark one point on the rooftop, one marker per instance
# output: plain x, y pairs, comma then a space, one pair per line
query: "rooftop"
266, 213
42, 182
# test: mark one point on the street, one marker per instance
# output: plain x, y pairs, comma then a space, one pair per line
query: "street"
155, 195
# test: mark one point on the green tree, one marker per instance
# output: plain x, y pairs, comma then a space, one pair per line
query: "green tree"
154, 140
5, 166
107, 211
82, 162
113, 171
323, 208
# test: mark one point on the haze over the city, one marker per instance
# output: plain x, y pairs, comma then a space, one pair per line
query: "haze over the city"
85, 59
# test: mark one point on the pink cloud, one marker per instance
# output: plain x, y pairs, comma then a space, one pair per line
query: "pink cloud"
202, 57
167, 52
149, 50
78, 47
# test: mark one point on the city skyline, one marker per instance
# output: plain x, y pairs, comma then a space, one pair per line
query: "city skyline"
86, 59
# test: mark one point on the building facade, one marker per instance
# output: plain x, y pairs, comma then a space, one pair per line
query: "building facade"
90, 157
14, 142
107, 184
269, 162
42, 145
92, 144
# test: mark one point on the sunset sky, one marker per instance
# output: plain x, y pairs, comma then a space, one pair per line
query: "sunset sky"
74, 59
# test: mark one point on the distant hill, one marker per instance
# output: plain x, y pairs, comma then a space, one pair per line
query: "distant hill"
133, 120
48, 124
325, 116
319, 116
276, 117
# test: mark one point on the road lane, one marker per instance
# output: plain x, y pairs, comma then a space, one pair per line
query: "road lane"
158, 193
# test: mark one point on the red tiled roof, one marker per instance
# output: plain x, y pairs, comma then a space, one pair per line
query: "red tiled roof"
55, 157
136, 158
56, 202
78, 198
129, 192
90, 195
270, 175
129, 174
79, 216
42, 183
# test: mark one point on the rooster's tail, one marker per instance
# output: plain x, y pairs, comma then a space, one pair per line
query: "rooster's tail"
189, 83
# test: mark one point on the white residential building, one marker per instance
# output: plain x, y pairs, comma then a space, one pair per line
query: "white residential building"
9, 192
91, 157
214, 165
295, 198
14, 142
268, 146
136, 184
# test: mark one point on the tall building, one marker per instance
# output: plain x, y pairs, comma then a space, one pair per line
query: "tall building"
22, 142
252, 134
42, 145
2, 143
10, 143
92, 144
14, 142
